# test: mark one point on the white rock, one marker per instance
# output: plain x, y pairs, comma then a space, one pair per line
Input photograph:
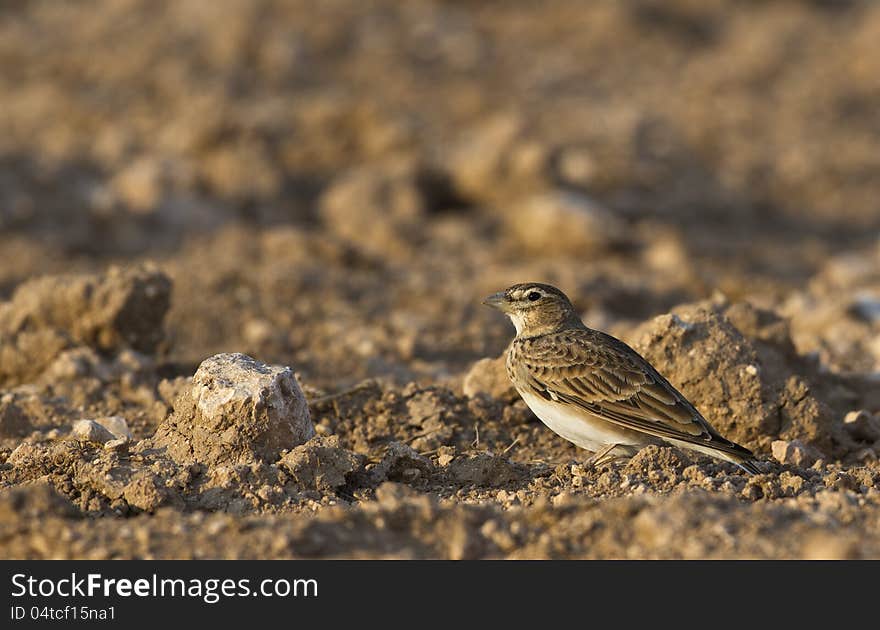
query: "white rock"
117, 425
117, 444
90, 431
238, 410
861, 425
794, 453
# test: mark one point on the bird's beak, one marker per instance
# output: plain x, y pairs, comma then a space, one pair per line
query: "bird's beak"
496, 300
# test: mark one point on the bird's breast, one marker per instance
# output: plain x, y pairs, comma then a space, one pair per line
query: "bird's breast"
580, 427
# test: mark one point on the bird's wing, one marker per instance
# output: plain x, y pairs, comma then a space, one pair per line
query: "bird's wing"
605, 377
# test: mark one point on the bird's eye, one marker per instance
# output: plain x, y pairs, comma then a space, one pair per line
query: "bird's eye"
534, 296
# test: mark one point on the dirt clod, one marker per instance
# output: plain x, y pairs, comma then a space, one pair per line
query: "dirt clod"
13, 420
489, 376
110, 311
320, 464
485, 470
565, 222
238, 410
747, 387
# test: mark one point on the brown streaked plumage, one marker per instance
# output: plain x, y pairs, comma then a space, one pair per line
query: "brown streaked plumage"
593, 389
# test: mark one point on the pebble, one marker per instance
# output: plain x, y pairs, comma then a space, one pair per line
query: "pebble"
91, 431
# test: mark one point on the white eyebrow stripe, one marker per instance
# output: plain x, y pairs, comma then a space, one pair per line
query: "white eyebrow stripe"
519, 294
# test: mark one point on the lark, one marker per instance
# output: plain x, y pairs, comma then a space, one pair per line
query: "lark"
594, 390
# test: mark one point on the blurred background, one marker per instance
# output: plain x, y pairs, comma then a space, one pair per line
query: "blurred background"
335, 185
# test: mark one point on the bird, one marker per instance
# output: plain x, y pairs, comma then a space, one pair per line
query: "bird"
594, 390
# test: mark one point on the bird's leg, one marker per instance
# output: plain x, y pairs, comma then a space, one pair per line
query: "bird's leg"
601, 457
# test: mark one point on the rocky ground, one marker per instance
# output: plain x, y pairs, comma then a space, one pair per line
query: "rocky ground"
243, 247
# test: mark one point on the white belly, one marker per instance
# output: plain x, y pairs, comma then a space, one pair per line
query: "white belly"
574, 425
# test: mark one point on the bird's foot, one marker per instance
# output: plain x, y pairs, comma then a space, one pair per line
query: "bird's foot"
601, 457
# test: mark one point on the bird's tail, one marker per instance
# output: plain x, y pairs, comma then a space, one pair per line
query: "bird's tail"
749, 466
733, 452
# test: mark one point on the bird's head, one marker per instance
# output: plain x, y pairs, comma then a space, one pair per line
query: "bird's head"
535, 308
